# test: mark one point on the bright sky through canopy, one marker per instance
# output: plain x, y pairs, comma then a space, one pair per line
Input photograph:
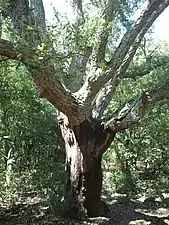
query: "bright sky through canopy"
161, 25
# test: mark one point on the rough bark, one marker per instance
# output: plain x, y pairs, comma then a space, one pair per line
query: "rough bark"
108, 16
47, 78
85, 145
134, 109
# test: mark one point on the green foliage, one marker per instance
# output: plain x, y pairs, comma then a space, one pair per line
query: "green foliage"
138, 159
71, 38
3, 3
31, 153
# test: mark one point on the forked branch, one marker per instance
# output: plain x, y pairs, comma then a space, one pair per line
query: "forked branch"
105, 95
134, 109
124, 53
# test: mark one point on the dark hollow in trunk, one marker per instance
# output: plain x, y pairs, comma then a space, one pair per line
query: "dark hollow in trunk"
85, 145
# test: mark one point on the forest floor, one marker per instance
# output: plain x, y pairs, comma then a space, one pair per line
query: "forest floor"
123, 211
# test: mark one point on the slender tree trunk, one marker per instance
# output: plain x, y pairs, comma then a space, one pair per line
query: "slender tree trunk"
85, 145
9, 164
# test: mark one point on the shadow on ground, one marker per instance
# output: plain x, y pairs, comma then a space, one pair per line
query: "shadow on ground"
122, 211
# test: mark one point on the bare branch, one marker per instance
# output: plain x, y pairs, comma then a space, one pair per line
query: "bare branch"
124, 53
142, 24
27, 16
47, 80
135, 108
13, 51
103, 98
51, 88
108, 16
39, 13
76, 73
78, 8
20, 14
77, 68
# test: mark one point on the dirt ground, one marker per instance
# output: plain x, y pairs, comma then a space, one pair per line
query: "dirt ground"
122, 211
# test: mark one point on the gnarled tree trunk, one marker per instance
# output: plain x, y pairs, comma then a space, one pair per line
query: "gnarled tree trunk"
85, 145
89, 84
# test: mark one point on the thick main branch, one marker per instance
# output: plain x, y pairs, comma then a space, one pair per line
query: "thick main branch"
47, 79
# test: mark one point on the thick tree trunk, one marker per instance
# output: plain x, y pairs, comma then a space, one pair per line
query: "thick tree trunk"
85, 145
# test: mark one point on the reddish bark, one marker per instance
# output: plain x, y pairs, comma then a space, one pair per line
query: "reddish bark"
85, 145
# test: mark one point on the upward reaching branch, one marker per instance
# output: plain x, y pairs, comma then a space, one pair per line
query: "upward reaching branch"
76, 73
25, 18
39, 13
77, 70
78, 6
108, 16
21, 16
47, 79
124, 53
